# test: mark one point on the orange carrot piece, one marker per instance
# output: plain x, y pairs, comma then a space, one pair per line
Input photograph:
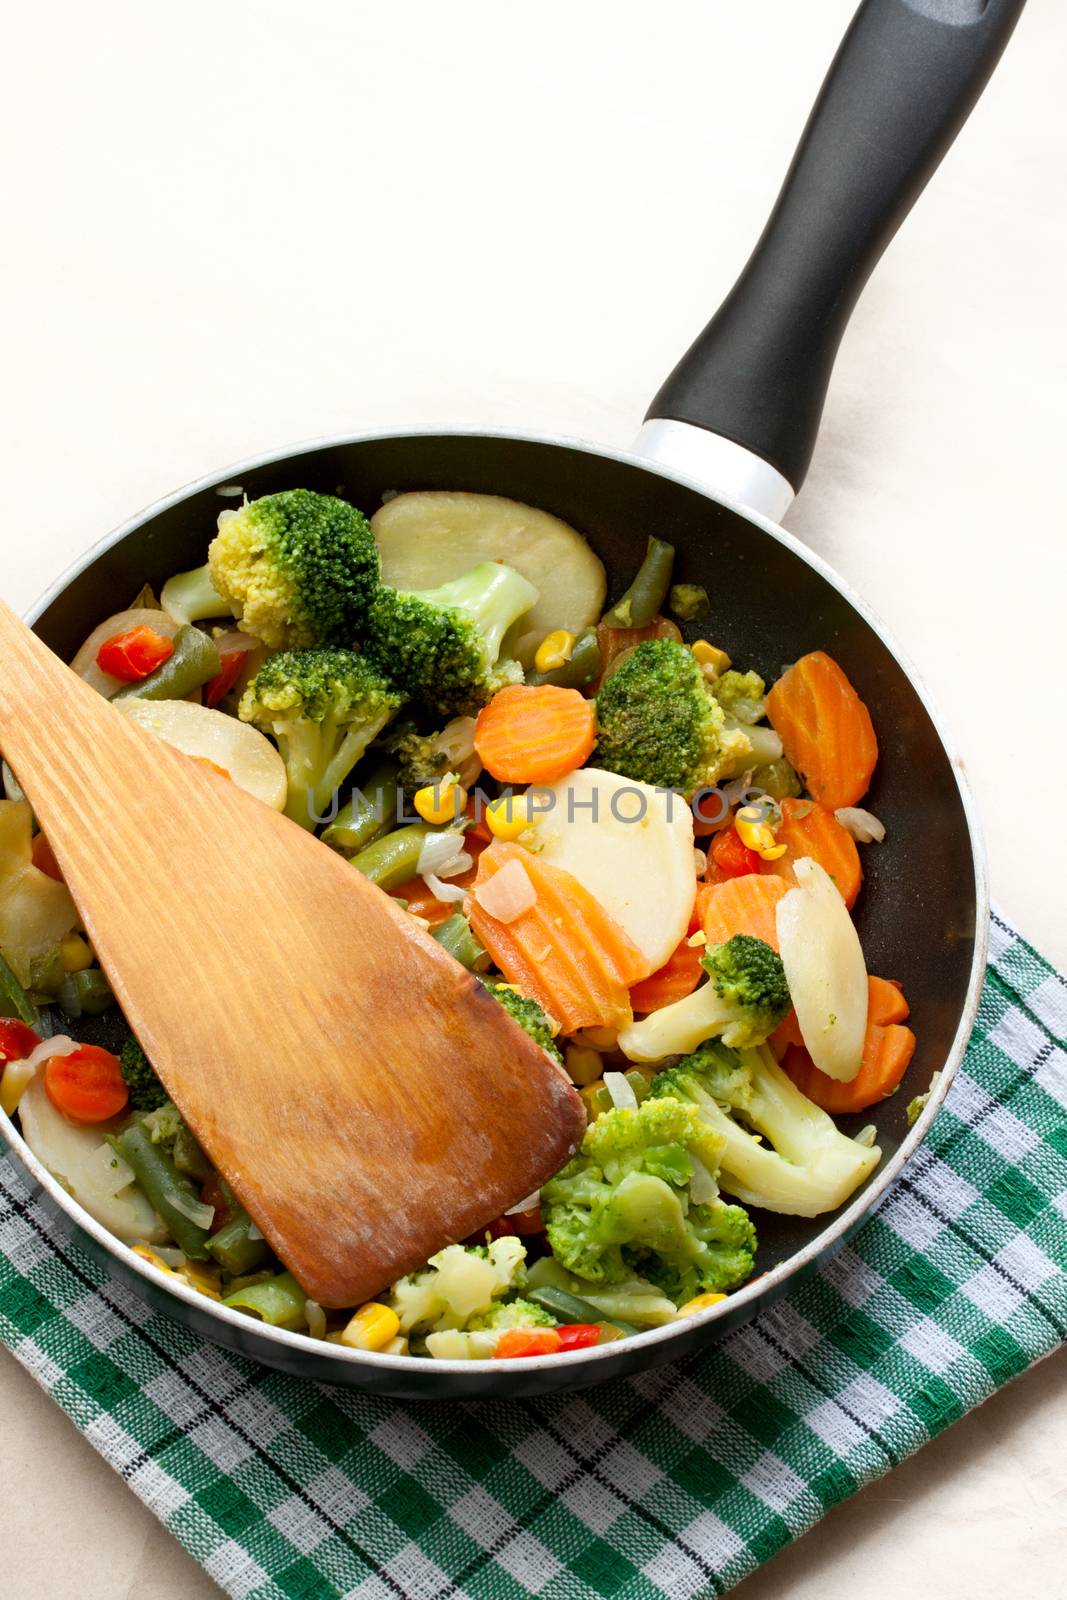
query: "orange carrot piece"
787, 1033
886, 1002
614, 642
421, 903
87, 1085
678, 976
743, 905
565, 952
825, 729
535, 733
886, 1055
808, 829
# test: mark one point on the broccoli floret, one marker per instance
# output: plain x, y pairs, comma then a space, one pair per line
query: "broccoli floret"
513, 1314
296, 568
324, 707
778, 779
657, 722
528, 1014
443, 644
796, 1161
744, 1000
741, 695
422, 760
146, 1091
689, 601
163, 1124
458, 1283
623, 1205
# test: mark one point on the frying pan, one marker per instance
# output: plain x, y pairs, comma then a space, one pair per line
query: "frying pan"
725, 446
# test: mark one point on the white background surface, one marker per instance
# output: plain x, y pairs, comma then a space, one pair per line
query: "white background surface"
229, 225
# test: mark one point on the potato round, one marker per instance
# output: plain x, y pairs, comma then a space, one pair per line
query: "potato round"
634, 853
434, 535
72, 1153
246, 754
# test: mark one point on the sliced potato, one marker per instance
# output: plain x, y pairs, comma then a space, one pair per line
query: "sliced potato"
72, 1153
434, 535
825, 970
630, 845
240, 750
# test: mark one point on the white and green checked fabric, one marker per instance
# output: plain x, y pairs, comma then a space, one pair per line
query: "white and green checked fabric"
672, 1485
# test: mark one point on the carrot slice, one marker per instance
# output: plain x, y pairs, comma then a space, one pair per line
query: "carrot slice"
678, 976
887, 1052
565, 951
825, 729
886, 1002
535, 733
787, 1033
87, 1085
743, 905
808, 829
615, 642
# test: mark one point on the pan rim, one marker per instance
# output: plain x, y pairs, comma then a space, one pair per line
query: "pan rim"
843, 1222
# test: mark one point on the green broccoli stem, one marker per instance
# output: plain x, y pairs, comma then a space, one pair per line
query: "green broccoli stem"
169, 1193
370, 812
492, 596
193, 662
319, 757
645, 596
678, 1028
191, 596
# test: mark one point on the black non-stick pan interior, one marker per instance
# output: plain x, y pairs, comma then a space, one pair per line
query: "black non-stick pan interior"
916, 913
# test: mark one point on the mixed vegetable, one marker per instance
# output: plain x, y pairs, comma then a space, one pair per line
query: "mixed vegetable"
647, 858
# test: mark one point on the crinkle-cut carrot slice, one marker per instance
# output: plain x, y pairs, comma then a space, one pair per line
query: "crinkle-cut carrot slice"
743, 905
808, 829
825, 729
566, 951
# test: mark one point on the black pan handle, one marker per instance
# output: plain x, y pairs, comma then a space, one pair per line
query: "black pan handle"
900, 88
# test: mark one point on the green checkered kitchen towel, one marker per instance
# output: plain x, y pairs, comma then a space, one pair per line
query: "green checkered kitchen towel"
673, 1484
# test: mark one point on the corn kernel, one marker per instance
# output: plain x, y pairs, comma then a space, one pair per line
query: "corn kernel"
396, 1347
554, 649
75, 953
756, 833
508, 817
700, 1302
372, 1328
441, 802
709, 655
203, 1279
15, 1079
583, 1065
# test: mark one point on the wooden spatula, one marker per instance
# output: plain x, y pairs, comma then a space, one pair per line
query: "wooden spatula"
363, 1095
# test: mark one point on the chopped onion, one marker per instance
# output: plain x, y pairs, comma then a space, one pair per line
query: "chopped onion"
508, 894
316, 1318
234, 642
459, 864
438, 852
867, 1136
621, 1092
700, 861
198, 1213
864, 826
170, 1255
253, 1231
525, 1205
456, 742
448, 892
702, 1185
825, 970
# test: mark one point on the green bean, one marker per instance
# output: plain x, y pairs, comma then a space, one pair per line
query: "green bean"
568, 1308
689, 601
456, 937
87, 993
249, 1280
581, 667
279, 1301
163, 1185
370, 812
14, 1001
233, 1247
391, 860
648, 591
193, 662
